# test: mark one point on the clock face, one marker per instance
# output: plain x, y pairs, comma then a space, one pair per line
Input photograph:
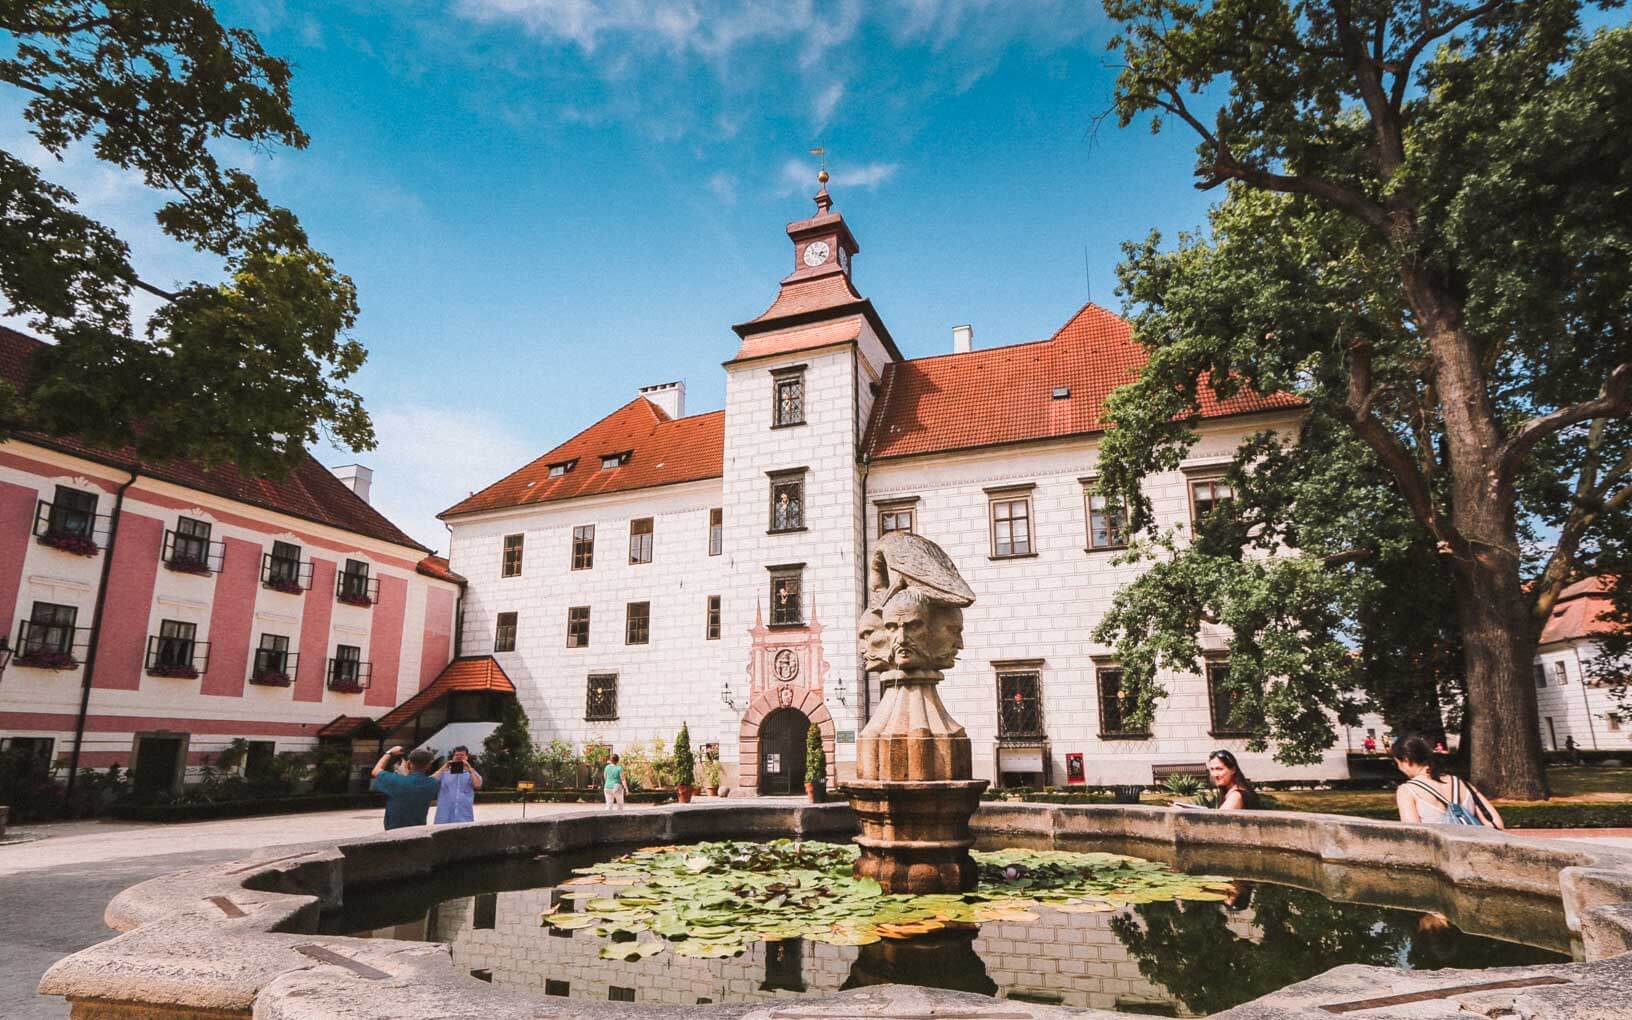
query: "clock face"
816, 253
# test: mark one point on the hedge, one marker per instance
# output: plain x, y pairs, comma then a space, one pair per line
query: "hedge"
207, 811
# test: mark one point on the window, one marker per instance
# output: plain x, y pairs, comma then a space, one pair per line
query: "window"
616, 994
561, 467
1019, 704
578, 627
504, 633
640, 540
1541, 676
34, 750
553, 986
637, 627
788, 501
716, 531
601, 698
50, 631
1207, 495
354, 585
73, 513
258, 759
1225, 701
190, 546
273, 667
172, 651
789, 398
786, 606
1107, 524
1561, 673
711, 630
896, 518
612, 460
512, 556
1114, 705
346, 668
1011, 526
282, 568
583, 547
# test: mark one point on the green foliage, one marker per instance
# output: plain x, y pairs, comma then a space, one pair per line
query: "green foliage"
27, 786
815, 757
712, 772
647, 764
507, 753
714, 899
332, 773
1425, 235
556, 764
1182, 785
596, 754
247, 370
685, 766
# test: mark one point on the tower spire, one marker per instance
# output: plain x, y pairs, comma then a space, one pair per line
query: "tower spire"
824, 201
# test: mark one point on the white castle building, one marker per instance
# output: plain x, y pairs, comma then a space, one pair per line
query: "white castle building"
660, 567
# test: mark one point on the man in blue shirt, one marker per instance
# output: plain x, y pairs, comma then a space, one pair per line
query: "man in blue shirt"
408, 795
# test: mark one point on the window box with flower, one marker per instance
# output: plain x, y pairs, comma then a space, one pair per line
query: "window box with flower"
46, 659
78, 545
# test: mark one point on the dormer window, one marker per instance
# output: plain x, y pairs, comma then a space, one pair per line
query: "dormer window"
1061, 392
561, 468
612, 460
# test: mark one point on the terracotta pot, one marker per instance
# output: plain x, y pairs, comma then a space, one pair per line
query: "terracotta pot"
817, 792
683, 793
711, 791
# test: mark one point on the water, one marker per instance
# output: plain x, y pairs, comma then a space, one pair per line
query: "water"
1161, 959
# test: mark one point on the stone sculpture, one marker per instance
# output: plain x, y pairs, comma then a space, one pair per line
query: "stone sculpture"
913, 794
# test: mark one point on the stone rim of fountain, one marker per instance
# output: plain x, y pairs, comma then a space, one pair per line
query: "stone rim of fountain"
227, 939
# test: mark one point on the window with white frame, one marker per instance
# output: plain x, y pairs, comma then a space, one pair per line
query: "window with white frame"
1011, 524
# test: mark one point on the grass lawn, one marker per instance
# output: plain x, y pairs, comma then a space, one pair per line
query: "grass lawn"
1571, 785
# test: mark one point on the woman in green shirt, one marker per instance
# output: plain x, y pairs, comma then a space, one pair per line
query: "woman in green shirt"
614, 785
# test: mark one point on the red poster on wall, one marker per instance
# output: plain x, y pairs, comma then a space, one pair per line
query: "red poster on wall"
1073, 769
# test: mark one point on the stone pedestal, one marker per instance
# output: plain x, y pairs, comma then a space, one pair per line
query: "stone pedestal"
913, 795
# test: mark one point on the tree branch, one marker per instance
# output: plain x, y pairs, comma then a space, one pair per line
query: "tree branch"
1402, 67
1347, 556
156, 292
1613, 401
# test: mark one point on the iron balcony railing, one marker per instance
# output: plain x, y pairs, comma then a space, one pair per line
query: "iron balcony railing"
274, 668
280, 573
349, 676
49, 645
356, 589
179, 657
70, 529
189, 554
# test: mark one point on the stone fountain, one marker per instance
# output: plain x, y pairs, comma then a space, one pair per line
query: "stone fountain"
913, 794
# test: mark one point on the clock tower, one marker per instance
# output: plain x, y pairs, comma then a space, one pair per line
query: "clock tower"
822, 244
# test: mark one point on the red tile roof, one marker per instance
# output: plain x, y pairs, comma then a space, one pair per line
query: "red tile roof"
1579, 611
343, 727
472, 673
1005, 394
663, 451
310, 491
437, 567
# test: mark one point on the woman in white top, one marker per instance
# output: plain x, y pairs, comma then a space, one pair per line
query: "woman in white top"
1426, 796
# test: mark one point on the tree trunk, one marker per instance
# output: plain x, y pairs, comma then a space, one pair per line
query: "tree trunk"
1503, 725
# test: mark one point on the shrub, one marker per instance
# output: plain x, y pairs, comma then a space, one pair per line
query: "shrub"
556, 765
685, 766
815, 757
333, 773
1181, 785
507, 753
596, 755
712, 772
646, 764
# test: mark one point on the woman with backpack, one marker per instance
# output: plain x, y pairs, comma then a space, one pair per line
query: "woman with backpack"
1428, 798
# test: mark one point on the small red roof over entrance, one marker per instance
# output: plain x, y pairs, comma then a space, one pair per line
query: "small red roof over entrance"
471, 673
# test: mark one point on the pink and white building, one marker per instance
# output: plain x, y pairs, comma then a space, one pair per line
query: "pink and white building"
154, 613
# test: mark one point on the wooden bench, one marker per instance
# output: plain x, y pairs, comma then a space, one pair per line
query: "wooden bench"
1159, 773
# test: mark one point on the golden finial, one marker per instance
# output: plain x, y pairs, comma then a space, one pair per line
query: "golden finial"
821, 154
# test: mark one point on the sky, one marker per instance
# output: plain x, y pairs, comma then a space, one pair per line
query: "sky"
547, 204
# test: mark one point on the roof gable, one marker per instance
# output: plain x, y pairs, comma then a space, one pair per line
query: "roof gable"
472, 673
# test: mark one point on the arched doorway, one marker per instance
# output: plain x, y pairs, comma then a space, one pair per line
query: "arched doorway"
782, 752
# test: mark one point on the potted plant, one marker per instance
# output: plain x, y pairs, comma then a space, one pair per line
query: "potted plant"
815, 765
79, 545
684, 765
711, 777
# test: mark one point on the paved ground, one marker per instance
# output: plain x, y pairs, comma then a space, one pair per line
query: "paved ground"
53, 890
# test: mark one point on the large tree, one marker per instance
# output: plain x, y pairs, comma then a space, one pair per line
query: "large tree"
1426, 232
245, 370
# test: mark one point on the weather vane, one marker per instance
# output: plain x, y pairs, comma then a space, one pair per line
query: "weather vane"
820, 153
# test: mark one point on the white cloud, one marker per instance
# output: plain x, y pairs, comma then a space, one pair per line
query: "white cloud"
724, 187
429, 458
826, 102
797, 176
679, 28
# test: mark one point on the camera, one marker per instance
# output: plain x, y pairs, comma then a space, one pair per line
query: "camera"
456, 767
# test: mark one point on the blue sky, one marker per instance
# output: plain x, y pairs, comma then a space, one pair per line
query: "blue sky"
548, 203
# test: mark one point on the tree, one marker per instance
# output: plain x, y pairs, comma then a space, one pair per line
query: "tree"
815, 758
507, 753
1425, 233
685, 766
247, 370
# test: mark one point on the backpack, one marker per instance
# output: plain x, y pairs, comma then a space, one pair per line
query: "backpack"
1455, 813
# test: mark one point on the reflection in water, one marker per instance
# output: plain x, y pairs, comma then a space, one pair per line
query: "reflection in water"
1169, 958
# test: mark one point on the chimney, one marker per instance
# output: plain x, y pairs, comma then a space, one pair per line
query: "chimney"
356, 477
963, 339
670, 396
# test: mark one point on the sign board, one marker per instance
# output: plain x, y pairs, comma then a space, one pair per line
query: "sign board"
1073, 769
773, 762
524, 786
845, 737
1020, 759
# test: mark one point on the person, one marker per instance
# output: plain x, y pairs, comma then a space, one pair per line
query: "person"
408, 795
614, 785
1574, 751
1439, 747
457, 782
1235, 792
1428, 798
1370, 744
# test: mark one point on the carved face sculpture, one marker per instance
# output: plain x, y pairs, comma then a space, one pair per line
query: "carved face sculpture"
921, 633
873, 642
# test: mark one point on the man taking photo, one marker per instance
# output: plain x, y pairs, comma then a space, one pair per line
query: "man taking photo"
408, 795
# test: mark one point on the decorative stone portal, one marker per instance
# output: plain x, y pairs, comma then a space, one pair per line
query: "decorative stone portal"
787, 676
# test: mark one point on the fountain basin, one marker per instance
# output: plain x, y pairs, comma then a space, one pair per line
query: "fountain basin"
915, 836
